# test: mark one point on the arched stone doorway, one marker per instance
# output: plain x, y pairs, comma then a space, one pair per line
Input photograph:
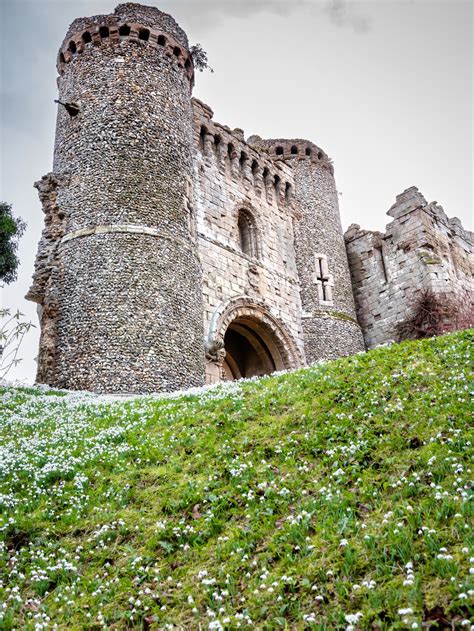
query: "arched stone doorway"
246, 340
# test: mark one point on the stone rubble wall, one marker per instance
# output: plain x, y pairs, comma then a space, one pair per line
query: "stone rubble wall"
329, 320
421, 249
128, 295
230, 175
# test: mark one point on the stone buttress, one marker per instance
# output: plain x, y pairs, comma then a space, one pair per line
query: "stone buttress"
117, 276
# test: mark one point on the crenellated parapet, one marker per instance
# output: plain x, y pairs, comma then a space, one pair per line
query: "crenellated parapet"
294, 149
242, 160
130, 23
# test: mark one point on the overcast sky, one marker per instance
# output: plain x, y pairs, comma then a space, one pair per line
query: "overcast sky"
385, 88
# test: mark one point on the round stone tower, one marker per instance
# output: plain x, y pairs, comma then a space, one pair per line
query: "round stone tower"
118, 277
330, 327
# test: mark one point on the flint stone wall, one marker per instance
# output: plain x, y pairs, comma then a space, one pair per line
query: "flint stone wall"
124, 305
330, 328
421, 249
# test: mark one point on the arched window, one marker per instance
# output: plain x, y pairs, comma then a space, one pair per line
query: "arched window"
124, 30
294, 149
104, 31
247, 233
279, 151
144, 34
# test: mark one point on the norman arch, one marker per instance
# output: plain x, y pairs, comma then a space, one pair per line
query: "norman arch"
245, 340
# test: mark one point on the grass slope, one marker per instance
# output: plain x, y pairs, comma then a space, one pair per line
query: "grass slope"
335, 497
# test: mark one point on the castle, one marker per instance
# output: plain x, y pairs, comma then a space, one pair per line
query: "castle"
176, 252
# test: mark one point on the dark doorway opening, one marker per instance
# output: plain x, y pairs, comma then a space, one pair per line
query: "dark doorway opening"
247, 354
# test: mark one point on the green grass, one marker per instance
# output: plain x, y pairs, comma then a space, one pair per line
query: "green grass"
335, 497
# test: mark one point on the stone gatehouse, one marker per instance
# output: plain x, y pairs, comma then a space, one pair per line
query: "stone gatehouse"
176, 252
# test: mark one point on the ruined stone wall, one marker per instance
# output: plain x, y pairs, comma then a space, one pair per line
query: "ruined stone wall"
231, 176
329, 320
127, 308
421, 249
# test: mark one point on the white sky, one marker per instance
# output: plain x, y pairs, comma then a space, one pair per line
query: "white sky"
385, 88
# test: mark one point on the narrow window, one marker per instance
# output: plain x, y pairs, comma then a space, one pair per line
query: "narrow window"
308, 151
254, 168
323, 279
202, 137
104, 31
176, 51
381, 262
72, 46
288, 192
144, 34
247, 233
294, 149
320, 155
87, 37
124, 30
161, 40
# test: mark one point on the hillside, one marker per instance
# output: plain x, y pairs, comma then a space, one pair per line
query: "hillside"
334, 497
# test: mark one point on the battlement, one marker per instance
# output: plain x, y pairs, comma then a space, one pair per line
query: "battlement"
421, 249
245, 160
431, 220
176, 250
144, 26
293, 149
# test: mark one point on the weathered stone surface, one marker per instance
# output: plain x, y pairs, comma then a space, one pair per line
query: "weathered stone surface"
125, 308
422, 249
175, 251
